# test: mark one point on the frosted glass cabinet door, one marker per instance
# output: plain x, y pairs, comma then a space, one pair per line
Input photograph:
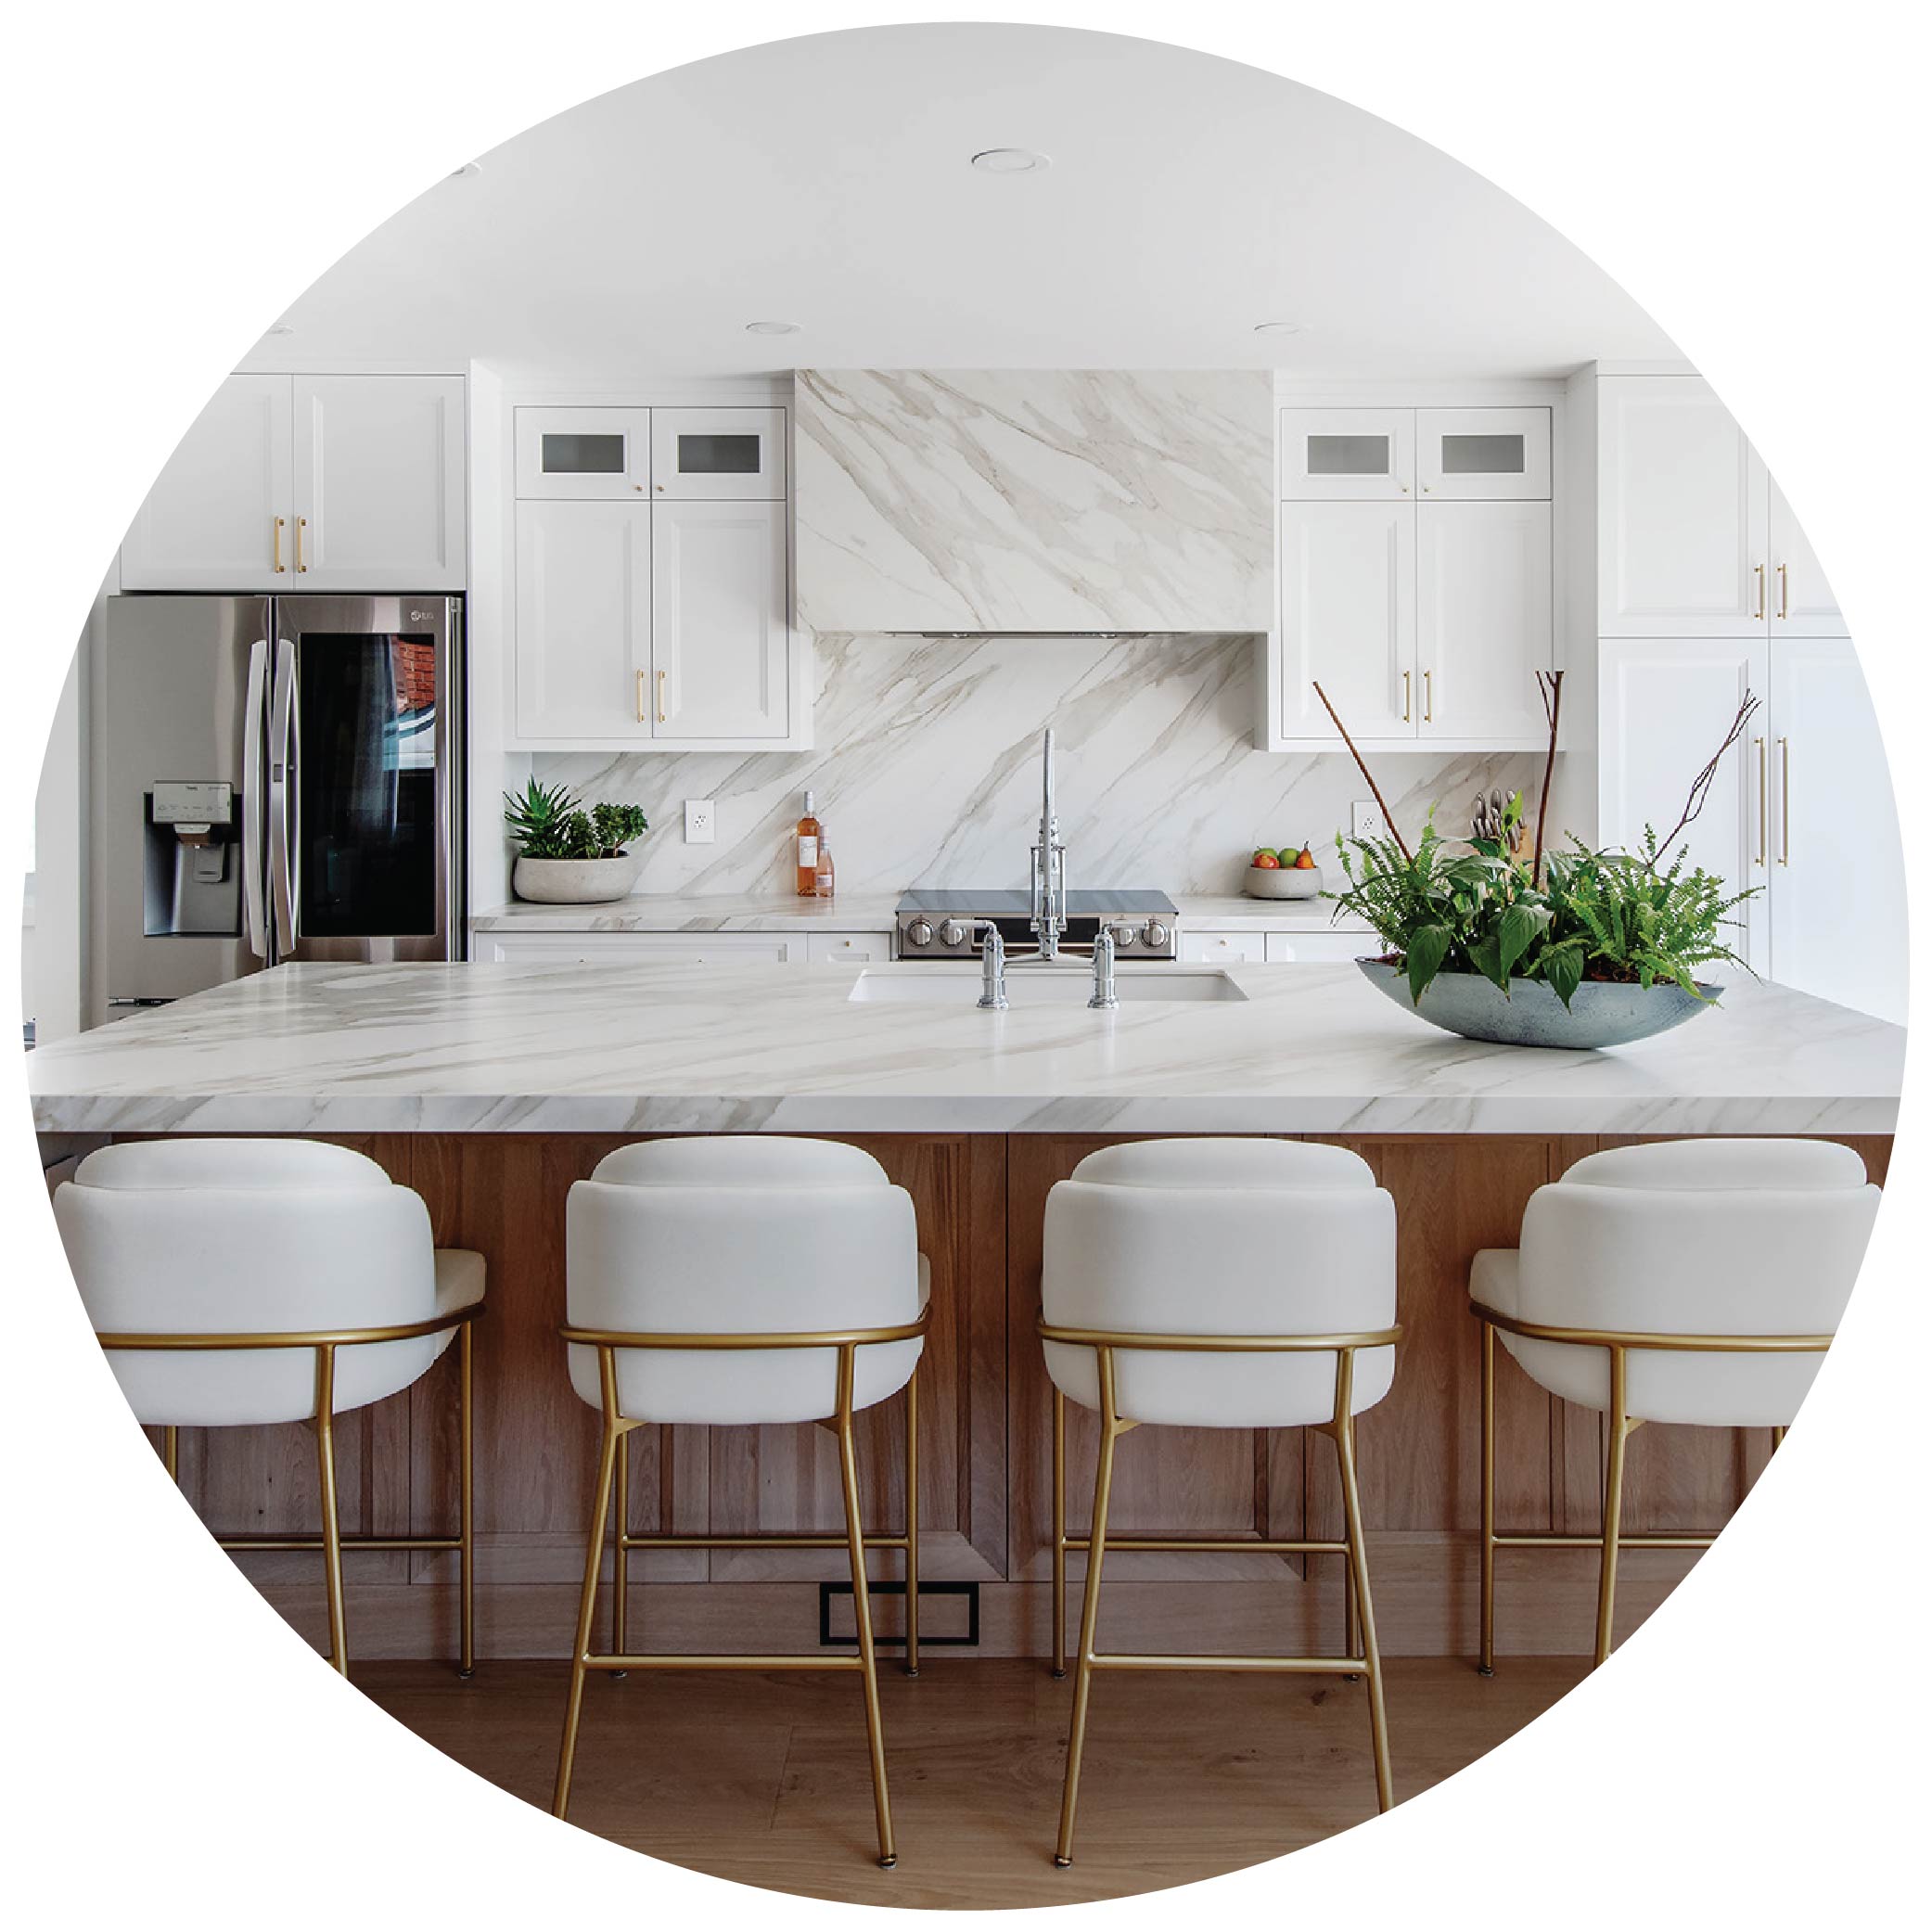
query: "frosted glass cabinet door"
1483, 625
1482, 455
584, 452
1681, 513
720, 644
379, 483
584, 621
1348, 618
1801, 600
718, 453
222, 510
1344, 456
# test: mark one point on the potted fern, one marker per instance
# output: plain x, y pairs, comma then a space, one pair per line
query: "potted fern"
568, 855
1575, 948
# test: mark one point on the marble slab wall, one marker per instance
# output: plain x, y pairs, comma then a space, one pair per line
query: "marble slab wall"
926, 771
1034, 500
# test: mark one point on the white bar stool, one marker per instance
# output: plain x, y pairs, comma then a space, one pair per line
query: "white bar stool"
735, 1281
1684, 1281
240, 1282
1216, 1284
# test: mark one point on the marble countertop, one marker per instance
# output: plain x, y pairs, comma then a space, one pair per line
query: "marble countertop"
857, 912
654, 1047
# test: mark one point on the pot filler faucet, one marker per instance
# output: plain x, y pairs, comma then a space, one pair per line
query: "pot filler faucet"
1049, 881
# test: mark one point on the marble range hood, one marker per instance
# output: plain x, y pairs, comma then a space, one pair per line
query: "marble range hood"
1034, 501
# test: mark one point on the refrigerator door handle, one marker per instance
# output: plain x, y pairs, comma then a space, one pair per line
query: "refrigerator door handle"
281, 780
254, 815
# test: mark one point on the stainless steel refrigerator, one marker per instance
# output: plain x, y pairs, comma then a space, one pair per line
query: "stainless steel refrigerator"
280, 778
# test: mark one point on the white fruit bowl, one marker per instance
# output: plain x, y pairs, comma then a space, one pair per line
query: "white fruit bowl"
1282, 882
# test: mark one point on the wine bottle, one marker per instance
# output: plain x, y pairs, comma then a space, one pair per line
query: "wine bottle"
805, 851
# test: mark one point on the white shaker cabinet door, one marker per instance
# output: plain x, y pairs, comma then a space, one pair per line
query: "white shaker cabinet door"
1347, 620
1663, 709
1484, 621
1801, 600
584, 621
1681, 540
720, 641
219, 516
1838, 899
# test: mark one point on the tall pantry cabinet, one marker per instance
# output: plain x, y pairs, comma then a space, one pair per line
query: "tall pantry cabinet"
1707, 589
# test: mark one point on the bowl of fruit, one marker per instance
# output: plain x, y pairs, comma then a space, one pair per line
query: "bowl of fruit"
1290, 873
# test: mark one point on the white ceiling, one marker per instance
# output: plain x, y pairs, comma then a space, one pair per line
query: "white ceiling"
825, 181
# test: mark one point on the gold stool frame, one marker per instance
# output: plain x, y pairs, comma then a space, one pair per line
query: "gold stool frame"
1612, 1538
613, 1477
1358, 1605
332, 1542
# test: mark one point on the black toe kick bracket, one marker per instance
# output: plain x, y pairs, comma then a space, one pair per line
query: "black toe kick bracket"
829, 1594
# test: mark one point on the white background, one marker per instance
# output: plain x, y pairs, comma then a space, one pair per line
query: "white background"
176, 174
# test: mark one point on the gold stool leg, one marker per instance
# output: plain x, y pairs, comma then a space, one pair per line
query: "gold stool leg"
1059, 1534
621, 1560
1486, 1661
912, 1524
1777, 1438
614, 1429
1349, 1645
171, 1452
1613, 1508
1110, 1432
465, 1502
862, 1609
331, 1522
1358, 1562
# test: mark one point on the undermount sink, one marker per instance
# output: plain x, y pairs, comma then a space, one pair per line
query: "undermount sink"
1046, 986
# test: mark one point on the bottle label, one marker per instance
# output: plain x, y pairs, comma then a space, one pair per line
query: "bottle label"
808, 854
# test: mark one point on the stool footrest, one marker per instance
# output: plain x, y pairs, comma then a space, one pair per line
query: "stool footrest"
1211, 1545
1553, 1540
678, 1662
759, 1542
348, 1542
1309, 1665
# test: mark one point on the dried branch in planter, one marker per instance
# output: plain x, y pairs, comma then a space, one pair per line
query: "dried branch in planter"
1550, 683
1701, 783
1387, 816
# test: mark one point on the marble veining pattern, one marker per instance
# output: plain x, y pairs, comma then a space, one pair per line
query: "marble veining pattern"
1033, 500
658, 1049
926, 772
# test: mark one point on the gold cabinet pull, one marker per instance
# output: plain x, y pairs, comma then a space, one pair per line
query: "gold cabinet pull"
1429, 697
1763, 803
302, 523
663, 716
280, 567
1785, 803
641, 718
1406, 686
1784, 589
1758, 570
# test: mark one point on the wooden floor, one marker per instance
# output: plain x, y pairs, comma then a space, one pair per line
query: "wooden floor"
764, 1779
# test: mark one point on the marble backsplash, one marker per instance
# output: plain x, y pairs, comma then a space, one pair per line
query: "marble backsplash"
926, 771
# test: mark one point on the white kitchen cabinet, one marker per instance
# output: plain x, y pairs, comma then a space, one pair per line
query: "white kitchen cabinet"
1484, 621
583, 622
379, 483
1800, 599
1331, 946
718, 453
1340, 455
1347, 620
1210, 948
720, 641
837, 948
219, 515
574, 453
1482, 455
632, 948
1837, 871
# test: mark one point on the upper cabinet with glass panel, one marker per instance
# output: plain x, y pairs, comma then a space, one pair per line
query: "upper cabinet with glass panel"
584, 452
718, 453
1330, 455
1483, 454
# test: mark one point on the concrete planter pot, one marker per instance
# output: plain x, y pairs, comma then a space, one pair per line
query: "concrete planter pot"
576, 881
1601, 1013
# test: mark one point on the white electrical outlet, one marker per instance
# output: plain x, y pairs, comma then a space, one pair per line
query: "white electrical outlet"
700, 822
1367, 821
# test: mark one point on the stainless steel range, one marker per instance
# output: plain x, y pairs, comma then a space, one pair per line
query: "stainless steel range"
952, 925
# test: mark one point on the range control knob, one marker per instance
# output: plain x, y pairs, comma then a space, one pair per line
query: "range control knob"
920, 932
1155, 936
953, 933
1123, 937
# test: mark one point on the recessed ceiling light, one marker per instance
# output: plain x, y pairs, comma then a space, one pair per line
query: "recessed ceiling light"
468, 168
771, 328
1010, 160
1279, 329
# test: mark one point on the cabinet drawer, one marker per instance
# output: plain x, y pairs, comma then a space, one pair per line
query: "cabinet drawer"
1320, 948
830, 948
584, 452
629, 948
1219, 948
718, 453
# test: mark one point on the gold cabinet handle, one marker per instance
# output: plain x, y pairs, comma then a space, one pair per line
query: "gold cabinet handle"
641, 718
302, 523
280, 567
663, 716
1406, 686
1784, 589
1785, 803
1757, 570
1429, 697
1763, 802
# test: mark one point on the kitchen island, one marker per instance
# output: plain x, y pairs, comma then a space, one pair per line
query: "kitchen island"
491, 1088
